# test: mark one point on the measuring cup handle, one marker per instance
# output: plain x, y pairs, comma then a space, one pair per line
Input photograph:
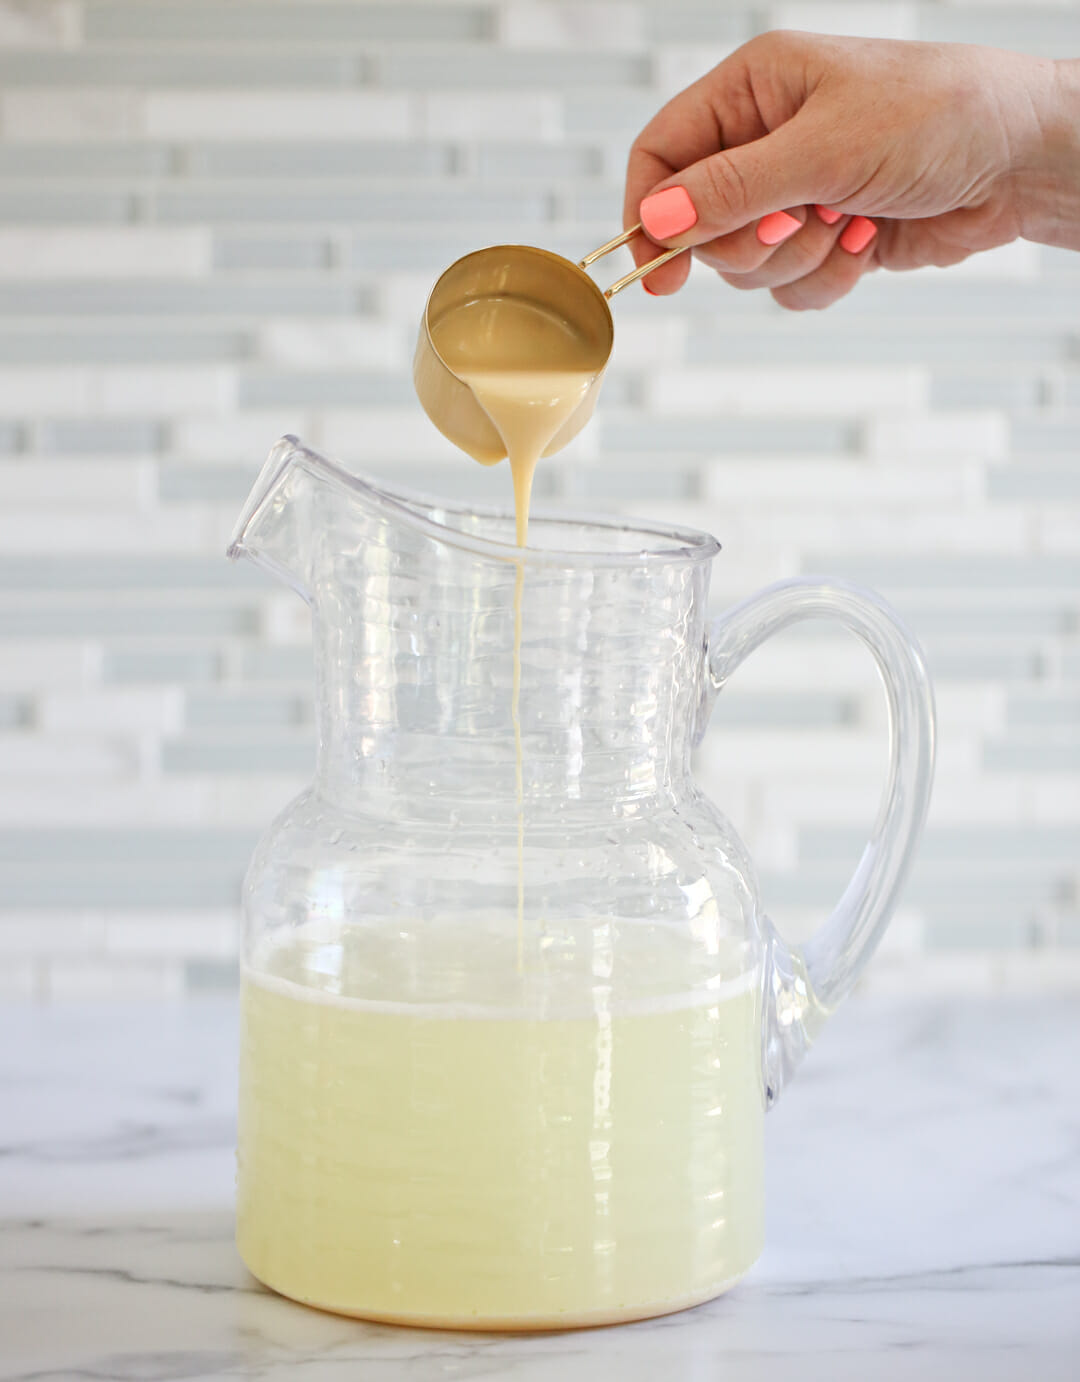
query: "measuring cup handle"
635, 274
803, 985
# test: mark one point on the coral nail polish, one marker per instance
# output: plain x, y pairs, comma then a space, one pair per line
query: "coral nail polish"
667, 213
858, 234
778, 226
828, 215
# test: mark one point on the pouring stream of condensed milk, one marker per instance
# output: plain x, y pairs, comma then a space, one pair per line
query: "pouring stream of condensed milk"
529, 334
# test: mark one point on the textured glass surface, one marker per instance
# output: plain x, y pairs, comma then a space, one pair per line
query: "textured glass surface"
641, 1001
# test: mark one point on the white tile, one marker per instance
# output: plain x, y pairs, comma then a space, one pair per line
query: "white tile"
67, 389
336, 345
104, 252
237, 436
599, 24
861, 18
828, 485
129, 980
65, 757
28, 665
951, 435
490, 116
122, 710
807, 392
20, 980
65, 800
41, 24
1017, 261
167, 389
27, 115
203, 932
679, 65
47, 485
232, 115
50, 931
68, 531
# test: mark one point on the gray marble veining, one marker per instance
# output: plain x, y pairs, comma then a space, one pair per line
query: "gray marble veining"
923, 1188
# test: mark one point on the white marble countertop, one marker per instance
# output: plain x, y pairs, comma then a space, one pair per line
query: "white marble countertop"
923, 1217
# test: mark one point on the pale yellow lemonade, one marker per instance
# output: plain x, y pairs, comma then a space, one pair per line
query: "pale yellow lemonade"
437, 1167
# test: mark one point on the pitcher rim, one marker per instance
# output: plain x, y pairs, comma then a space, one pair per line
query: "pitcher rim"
680, 544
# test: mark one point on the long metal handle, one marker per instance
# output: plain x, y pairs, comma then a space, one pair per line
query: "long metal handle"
639, 272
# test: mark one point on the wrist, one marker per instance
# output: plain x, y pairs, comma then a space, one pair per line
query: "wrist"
1047, 178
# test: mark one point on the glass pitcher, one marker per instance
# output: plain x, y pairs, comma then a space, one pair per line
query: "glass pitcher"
458, 1112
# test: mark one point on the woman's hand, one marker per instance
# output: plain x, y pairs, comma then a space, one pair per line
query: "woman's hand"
801, 162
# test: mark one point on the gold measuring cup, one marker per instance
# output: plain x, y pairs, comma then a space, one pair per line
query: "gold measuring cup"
542, 277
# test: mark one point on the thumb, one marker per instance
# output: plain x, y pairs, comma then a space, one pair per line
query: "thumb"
728, 190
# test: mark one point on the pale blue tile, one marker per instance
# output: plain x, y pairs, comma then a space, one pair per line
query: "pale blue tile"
124, 844
1049, 30
310, 159
1040, 435
991, 622
211, 976
124, 621
216, 297
784, 709
988, 388
15, 711
793, 338
451, 200
489, 68
1035, 481
1007, 664
277, 664
270, 388
617, 112
1067, 931
631, 480
228, 753
963, 571
723, 435
179, 483
998, 845
136, 573
1049, 753
979, 928
28, 203
173, 66
291, 253
549, 161
168, 666
118, 160
1009, 304
245, 710
107, 345
1047, 710
703, 22
99, 436
126, 883
341, 23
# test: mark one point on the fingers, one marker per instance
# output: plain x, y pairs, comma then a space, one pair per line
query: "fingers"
796, 257
853, 254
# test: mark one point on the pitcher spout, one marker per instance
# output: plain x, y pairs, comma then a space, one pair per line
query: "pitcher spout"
270, 530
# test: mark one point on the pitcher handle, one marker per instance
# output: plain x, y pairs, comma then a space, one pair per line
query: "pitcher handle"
803, 985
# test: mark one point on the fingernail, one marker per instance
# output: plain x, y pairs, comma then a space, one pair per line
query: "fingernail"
828, 215
858, 234
650, 292
776, 227
667, 213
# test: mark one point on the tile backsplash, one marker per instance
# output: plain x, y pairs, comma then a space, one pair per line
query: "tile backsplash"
219, 222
